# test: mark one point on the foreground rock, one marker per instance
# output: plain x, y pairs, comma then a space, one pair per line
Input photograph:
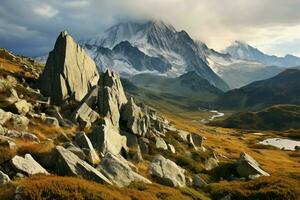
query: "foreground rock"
117, 169
84, 142
27, 165
18, 122
67, 163
106, 138
167, 172
4, 178
69, 72
248, 167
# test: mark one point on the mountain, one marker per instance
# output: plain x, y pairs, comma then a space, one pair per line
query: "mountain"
153, 46
186, 92
241, 50
237, 72
278, 118
280, 89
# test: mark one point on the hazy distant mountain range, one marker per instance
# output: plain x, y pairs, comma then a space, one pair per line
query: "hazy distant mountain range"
155, 47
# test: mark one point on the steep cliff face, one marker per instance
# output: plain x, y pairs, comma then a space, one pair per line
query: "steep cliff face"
69, 72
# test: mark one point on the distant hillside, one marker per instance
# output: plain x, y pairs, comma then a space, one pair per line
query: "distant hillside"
188, 91
280, 89
278, 118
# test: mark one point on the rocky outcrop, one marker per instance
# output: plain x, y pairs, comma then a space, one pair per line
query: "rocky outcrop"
67, 163
106, 138
84, 142
248, 167
117, 169
86, 113
111, 97
199, 182
19, 122
69, 72
167, 172
27, 165
136, 120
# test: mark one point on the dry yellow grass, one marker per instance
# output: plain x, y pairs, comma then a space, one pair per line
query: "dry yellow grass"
54, 187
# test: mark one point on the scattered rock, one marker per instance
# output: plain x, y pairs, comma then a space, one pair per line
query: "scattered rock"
67, 163
167, 172
211, 163
198, 181
248, 167
84, 142
132, 140
27, 165
117, 169
160, 143
77, 151
52, 121
21, 107
171, 148
69, 72
4, 178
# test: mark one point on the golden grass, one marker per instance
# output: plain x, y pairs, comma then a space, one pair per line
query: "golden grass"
54, 187
268, 188
8, 66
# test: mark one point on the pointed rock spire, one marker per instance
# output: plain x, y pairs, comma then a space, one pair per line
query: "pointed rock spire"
69, 72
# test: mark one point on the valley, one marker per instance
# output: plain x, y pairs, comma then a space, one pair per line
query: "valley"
143, 111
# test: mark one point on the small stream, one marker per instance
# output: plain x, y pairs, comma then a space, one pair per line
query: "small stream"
216, 114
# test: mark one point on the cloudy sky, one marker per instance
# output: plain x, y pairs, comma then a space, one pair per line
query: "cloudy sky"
30, 27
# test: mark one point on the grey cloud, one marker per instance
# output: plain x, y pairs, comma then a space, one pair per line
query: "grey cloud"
30, 26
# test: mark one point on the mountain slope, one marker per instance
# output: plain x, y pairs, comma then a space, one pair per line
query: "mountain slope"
244, 51
278, 118
152, 46
281, 89
186, 92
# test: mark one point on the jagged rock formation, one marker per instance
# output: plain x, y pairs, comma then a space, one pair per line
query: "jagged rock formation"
136, 120
111, 97
69, 72
248, 167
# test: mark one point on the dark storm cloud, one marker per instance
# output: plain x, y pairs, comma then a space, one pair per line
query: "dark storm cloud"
30, 27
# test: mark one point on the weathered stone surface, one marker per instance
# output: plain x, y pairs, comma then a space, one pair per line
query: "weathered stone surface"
85, 115
16, 134
183, 135
5, 116
135, 155
136, 120
171, 148
132, 140
21, 107
167, 172
198, 181
69, 72
111, 97
27, 165
248, 167
77, 151
117, 169
160, 143
197, 139
106, 138
67, 163
4, 178
52, 121
143, 144
84, 142
211, 163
